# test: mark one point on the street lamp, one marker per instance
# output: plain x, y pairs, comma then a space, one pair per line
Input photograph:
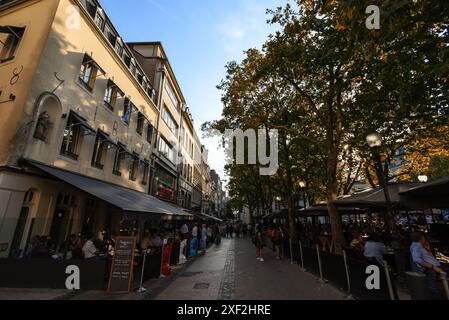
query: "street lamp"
423, 178
374, 141
302, 186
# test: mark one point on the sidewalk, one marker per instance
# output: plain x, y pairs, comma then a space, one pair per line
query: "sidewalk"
153, 286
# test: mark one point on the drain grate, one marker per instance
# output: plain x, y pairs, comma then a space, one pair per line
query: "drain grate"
201, 286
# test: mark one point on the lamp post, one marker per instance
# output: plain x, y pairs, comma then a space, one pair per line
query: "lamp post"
374, 141
302, 186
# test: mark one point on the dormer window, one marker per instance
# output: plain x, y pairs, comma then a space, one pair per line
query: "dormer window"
99, 19
112, 38
119, 46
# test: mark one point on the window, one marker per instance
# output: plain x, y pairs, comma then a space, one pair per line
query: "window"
112, 38
149, 132
134, 168
127, 60
110, 95
73, 135
88, 73
99, 20
169, 120
140, 78
119, 48
171, 94
166, 150
140, 123
10, 37
119, 159
146, 172
100, 150
132, 68
127, 110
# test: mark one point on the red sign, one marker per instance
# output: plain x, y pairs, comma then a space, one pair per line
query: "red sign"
165, 193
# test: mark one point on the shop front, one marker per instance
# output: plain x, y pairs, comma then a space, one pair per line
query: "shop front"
62, 209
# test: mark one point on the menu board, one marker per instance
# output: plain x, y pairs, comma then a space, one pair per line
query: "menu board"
122, 265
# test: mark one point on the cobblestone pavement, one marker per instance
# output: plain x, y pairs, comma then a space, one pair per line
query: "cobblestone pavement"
231, 271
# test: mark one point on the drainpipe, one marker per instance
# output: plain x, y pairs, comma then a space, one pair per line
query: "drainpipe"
156, 135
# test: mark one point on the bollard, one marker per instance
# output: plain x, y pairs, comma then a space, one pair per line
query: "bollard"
141, 288
319, 263
417, 285
390, 285
345, 259
443, 276
302, 257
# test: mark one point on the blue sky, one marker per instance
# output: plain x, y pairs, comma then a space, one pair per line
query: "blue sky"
200, 37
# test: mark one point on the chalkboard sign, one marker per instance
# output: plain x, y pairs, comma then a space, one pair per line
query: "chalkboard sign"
122, 265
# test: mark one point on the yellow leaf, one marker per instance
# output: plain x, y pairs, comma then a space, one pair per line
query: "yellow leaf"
339, 26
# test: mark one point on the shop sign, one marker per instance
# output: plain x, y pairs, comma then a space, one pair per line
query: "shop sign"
165, 193
122, 265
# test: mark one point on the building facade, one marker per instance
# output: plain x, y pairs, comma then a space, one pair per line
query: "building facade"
78, 102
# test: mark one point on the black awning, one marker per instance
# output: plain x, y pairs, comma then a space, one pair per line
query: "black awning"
82, 121
125, 149
16, 31
375, 197
202, 216
437, 188
106, 138
133, 203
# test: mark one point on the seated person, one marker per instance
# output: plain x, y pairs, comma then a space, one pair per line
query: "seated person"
423, 261
374, 250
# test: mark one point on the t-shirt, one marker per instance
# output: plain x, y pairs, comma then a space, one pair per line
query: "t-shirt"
184, 229
195, 232
89, 249
204, 234
420, 255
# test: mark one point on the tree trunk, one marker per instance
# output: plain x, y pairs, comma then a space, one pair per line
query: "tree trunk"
332, 189
336, 225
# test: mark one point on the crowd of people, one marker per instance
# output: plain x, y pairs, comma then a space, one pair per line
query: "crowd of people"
364, 242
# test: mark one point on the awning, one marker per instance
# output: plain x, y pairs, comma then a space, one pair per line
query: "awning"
135, 205
375, 197
436, 188
82, 122
430, 195
202, 216
107, 139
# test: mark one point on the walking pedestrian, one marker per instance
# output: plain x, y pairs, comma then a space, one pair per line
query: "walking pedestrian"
258, 241
204, 231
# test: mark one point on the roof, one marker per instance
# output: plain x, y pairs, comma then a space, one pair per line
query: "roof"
132, 202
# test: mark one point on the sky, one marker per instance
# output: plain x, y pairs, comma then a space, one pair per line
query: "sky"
200, 37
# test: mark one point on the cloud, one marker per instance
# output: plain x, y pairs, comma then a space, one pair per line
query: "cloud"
246, 27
